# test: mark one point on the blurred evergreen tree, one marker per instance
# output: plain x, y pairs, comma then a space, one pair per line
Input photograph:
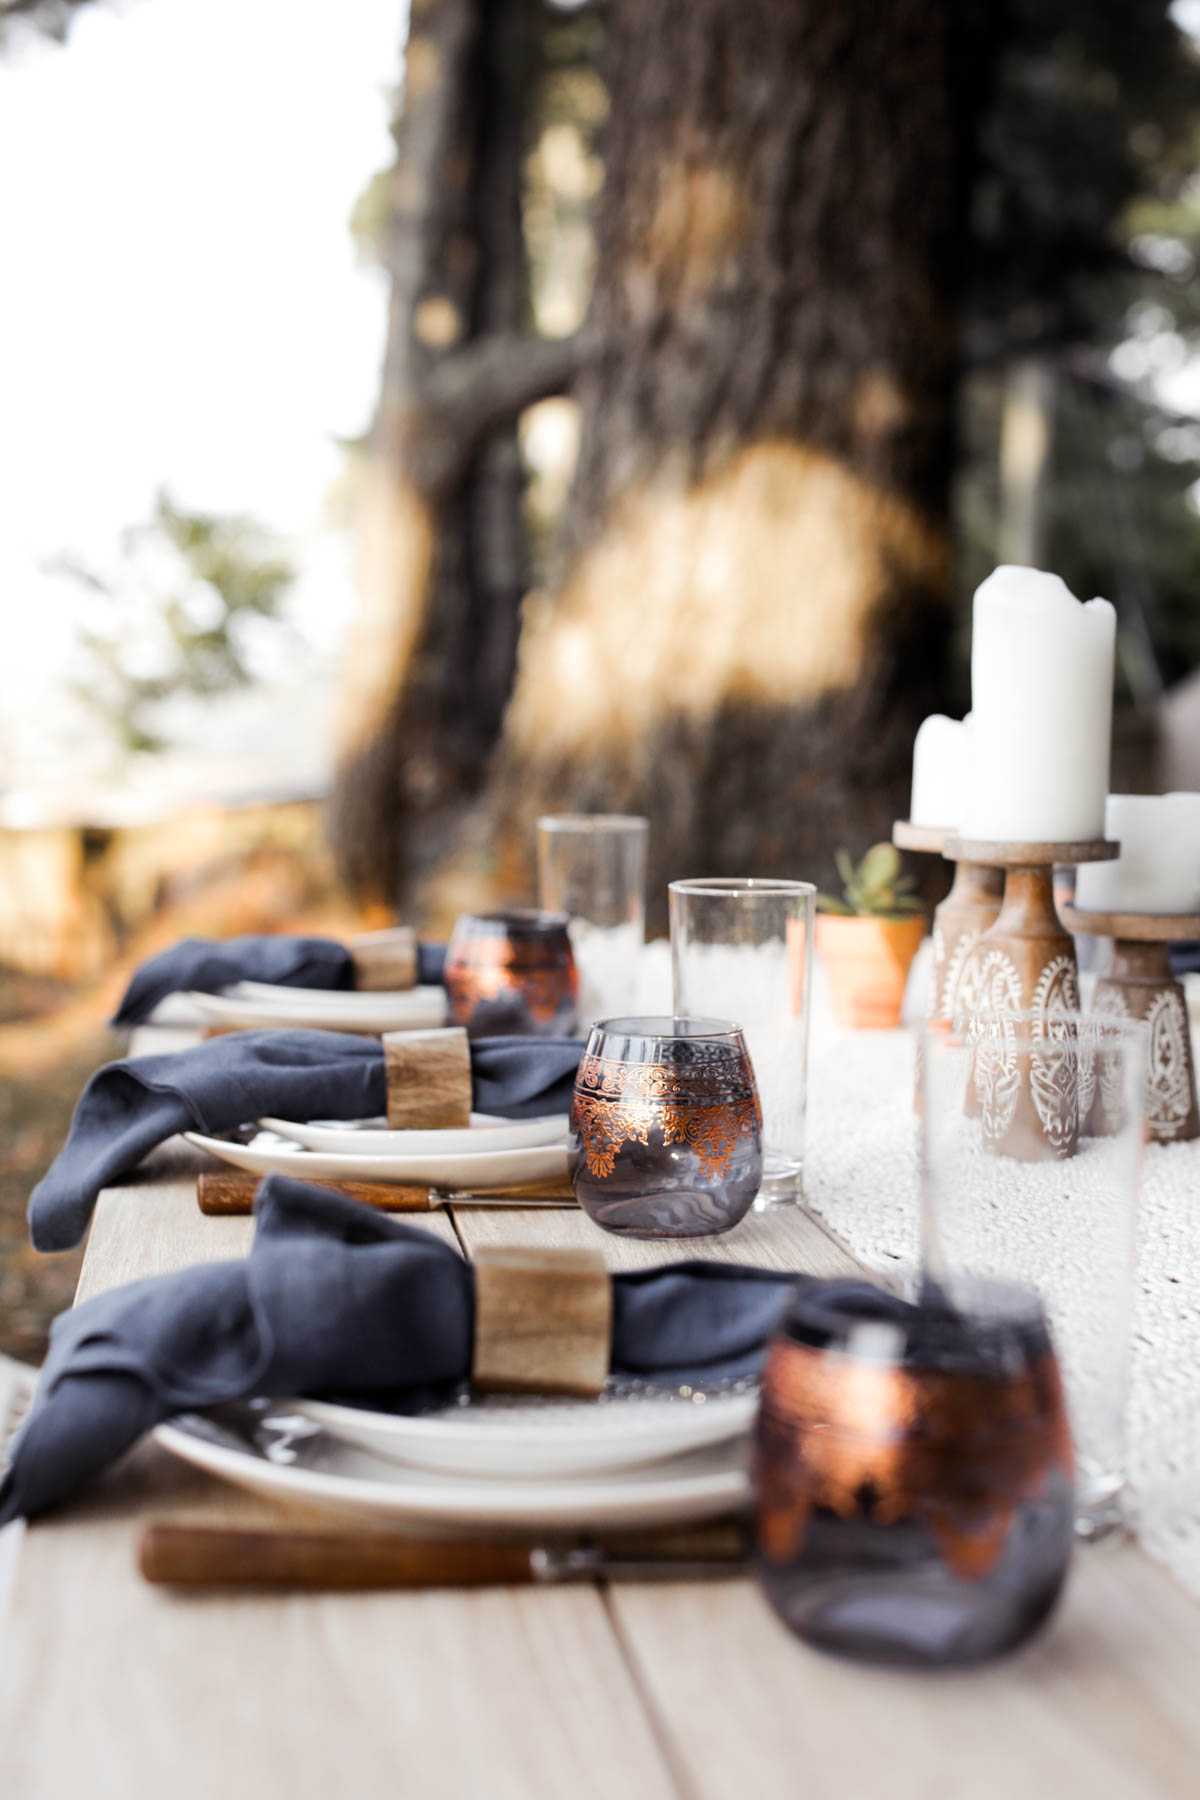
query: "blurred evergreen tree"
1085, 230
174, 616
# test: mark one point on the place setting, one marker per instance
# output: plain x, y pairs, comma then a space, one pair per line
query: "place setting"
904, 1459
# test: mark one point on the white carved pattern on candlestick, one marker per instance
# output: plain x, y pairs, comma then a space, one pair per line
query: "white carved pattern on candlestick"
938, 987
1169, 1096
997, 1076
960, 988
1056, 1076
1110, 1003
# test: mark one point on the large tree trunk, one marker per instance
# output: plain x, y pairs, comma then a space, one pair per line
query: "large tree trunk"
430, 663
752, 616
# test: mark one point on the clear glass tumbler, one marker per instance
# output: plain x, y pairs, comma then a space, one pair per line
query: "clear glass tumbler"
592, 866
666, 1129
1031, 1148
743, 949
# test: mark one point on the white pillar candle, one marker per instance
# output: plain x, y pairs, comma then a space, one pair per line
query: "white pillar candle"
941, 755
1041, 690
1158, 870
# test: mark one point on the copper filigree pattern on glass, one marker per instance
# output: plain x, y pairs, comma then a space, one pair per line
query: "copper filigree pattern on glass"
666, 1127
707, 1102
914, 1476
512, 974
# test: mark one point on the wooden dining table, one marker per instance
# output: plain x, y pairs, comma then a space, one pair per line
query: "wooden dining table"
117, 1690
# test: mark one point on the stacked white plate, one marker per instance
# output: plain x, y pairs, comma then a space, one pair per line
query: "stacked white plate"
488, 1154
257, 1005
631, 1458
636, 1456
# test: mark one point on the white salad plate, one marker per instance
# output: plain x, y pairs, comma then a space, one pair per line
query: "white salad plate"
270, 1155
320, 1009
484, 1133
274, 1451
509, 1438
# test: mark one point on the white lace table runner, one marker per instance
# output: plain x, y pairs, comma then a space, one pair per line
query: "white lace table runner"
861, 1178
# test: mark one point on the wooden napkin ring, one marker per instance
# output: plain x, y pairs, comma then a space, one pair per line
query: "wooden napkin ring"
384, 960
428, 1079
543, 1320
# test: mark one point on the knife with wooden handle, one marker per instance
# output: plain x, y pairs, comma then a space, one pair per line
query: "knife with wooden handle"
221, 1194
176, 1553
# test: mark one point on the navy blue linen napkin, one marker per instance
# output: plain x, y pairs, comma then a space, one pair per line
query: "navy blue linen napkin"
334, 1299
1185, 959
128, 1107
206, 965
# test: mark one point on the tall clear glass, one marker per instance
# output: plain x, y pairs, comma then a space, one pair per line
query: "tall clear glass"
742, 949
1031, 1145
592, 866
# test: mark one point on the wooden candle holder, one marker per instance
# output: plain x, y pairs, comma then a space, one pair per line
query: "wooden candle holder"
969, 909
1025, 963
1139, 985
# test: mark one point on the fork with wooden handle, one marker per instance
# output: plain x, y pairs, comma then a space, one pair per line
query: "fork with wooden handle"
220, 1193
184, 1554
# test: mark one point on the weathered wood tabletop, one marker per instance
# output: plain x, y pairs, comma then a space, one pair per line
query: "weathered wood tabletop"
122, 1691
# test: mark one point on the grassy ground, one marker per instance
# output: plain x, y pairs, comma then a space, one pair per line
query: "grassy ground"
35, 1111
53, 1037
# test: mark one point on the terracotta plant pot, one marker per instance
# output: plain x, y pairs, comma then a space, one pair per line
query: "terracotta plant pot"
867, 961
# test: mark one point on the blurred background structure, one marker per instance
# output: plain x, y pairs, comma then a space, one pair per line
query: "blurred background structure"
414, 423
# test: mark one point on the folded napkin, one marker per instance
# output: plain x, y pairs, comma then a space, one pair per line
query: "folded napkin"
206, 965
129, 1107
334, 1299
1185, 959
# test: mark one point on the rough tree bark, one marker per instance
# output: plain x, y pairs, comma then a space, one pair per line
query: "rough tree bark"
430, 662
752, 615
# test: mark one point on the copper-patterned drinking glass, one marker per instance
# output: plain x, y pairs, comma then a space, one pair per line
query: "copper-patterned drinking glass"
512, 974
913, 1472
666, 1127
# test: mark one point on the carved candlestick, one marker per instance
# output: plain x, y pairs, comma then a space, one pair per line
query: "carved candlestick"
971, 906
1139, 985
1025, 963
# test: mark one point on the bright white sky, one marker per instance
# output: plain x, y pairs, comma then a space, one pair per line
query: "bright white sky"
180, 306
180, 302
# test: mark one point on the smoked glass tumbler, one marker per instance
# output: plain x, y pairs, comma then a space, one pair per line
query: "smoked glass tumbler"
912, 1472
592, 866
743, 949
1031, 1146
666, 1128
512, 974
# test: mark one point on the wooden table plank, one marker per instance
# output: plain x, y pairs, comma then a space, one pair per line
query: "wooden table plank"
1102, 1705
153, 1224
117, 1690
114, 1688
785, 1237
120, 1690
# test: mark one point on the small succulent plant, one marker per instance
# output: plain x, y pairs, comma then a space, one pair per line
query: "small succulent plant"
875, 889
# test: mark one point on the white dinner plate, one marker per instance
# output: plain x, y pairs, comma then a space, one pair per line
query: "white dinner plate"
268, 1155
279, 1453
516, 1439
484, 1133
320, 1009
